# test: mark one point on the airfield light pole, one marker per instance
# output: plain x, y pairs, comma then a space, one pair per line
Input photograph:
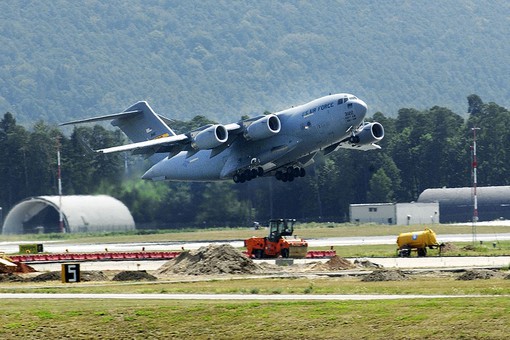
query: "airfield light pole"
475, 199
59, 177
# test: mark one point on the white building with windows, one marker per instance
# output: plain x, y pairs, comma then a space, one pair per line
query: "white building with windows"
395, 213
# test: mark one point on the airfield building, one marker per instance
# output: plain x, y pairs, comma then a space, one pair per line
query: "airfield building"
395, 213
456, 204
80, 214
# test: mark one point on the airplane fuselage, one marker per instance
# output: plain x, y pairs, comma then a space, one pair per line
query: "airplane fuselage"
305, 129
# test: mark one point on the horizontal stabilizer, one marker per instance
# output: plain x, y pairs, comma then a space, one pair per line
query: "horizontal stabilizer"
107, 117
150, 144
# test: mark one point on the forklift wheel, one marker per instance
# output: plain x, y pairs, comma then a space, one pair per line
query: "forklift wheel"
285, 253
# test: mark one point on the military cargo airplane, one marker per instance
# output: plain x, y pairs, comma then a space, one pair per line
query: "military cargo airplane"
280, 144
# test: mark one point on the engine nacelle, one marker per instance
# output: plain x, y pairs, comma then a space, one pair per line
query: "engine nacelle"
263, 128
210, 138
368, 134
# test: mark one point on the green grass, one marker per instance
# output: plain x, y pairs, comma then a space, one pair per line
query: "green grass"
478, 318
459, 318
416, 284
388, 250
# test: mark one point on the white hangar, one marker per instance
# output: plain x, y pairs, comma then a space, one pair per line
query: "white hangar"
80, 214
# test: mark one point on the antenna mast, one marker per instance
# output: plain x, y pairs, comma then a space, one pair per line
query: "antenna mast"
59, 177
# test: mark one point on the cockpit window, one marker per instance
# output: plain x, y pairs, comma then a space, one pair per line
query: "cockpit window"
342, 100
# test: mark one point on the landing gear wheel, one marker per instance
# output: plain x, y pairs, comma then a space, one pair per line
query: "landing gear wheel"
258, 253
278, 175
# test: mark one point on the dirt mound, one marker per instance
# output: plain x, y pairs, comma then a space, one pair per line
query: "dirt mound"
210, 260
384, 275
335, 263
10, 277
87, 276
135, 275
49, 276
449, 247
477, 274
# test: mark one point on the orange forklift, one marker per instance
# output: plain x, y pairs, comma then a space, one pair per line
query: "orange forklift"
280, 242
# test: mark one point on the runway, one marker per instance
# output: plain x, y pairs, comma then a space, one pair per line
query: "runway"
238, 297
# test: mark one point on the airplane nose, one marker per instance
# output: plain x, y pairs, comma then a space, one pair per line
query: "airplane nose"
362, 107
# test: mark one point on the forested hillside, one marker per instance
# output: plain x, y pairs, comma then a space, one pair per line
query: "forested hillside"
224, 59
422, 149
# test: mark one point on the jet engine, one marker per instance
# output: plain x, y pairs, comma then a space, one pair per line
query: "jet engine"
263, 128
367, 134
210, 137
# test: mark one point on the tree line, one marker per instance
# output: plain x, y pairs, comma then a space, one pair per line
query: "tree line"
421, 149
245, 56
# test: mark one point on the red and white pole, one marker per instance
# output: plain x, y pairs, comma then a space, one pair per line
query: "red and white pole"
475, 199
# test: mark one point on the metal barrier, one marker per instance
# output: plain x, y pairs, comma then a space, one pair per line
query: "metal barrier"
126, 256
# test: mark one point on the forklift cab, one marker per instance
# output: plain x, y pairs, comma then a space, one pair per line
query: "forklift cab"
280, 227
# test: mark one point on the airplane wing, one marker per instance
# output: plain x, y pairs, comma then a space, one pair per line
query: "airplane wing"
171, 144
364, 138
361, 147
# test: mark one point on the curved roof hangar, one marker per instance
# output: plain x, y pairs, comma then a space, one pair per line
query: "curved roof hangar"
81, 213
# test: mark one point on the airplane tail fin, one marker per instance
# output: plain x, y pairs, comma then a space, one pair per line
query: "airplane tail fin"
140, 123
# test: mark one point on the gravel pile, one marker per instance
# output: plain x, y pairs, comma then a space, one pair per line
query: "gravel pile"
10, 277
85, 276
384, 275
134, 275
477, 274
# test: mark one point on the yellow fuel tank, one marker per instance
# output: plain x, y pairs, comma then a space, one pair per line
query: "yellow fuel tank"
417, 239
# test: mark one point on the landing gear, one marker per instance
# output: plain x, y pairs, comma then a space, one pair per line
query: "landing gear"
248, 175
290, 173
286, 175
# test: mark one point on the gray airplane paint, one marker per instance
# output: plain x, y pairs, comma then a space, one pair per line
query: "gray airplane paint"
250, 148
